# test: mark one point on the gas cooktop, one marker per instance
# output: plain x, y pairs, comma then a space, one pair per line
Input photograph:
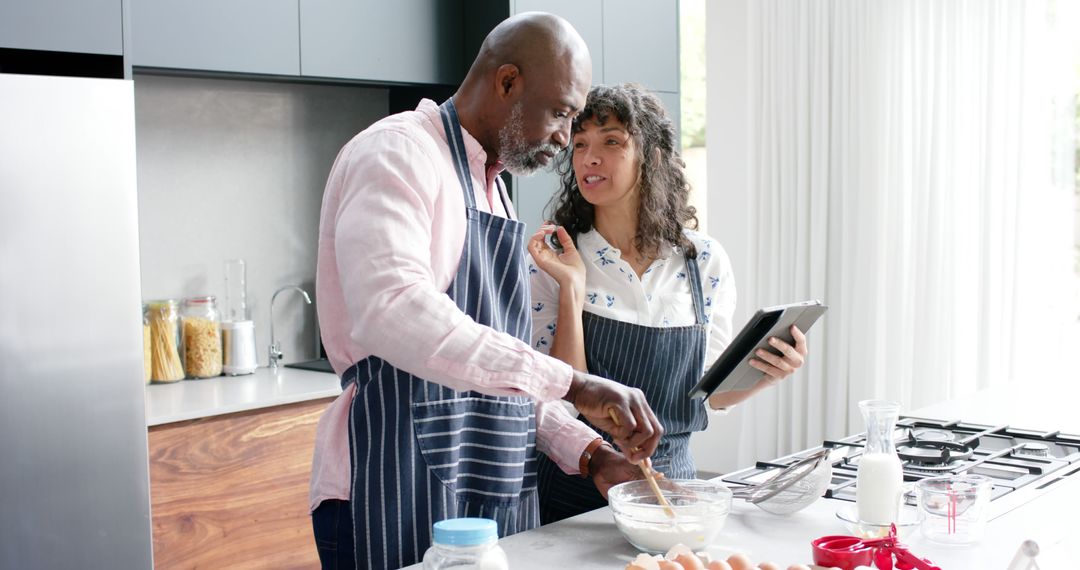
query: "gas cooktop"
1011, 458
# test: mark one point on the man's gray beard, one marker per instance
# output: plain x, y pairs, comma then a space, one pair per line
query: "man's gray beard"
516, 154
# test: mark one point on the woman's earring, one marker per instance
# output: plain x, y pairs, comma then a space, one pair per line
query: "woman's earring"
553, 243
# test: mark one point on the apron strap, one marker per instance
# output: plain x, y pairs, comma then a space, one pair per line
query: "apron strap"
505, 196
457, 150
693, 274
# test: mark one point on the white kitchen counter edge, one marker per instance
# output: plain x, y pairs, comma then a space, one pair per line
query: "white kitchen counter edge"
193, 399
591, 541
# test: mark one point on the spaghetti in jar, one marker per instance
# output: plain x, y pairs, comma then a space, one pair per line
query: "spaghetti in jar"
201, 335
163, 321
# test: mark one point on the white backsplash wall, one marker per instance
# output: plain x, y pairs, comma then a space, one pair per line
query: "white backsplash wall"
235, 169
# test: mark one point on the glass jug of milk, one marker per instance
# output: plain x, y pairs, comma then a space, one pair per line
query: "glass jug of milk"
880, 482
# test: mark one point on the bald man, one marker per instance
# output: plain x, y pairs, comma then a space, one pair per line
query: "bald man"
425, 314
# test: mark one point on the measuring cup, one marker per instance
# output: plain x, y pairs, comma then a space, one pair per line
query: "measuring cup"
952, 509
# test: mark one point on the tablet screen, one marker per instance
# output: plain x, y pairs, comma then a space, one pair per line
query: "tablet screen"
732, 369
745, 343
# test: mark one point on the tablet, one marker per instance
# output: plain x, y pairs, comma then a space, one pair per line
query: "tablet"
732, 371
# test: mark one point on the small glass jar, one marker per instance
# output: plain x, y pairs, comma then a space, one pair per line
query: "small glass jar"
165, 363
201, 336
466, 543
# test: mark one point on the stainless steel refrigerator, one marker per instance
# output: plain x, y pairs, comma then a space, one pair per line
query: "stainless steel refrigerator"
73, 459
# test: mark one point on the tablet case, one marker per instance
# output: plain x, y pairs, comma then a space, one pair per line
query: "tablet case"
732, 371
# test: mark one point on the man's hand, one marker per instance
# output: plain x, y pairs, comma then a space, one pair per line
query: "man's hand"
618, 410
609, 468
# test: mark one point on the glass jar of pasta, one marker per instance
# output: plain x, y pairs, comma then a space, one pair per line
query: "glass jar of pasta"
165, 363
200, 325
147, 353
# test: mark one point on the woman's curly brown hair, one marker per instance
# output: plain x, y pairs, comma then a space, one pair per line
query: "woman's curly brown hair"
664, 209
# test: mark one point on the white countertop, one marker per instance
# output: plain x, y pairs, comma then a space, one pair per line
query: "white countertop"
591, 541
191, 399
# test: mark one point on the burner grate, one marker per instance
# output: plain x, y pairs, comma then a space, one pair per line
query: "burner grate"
1012, 458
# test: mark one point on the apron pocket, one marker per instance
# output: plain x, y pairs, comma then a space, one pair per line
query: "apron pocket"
482, 448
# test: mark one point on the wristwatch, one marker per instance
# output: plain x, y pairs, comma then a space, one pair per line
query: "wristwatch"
586, 456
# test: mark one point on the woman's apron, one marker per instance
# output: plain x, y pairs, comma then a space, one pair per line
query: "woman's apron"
665, 363
422, 452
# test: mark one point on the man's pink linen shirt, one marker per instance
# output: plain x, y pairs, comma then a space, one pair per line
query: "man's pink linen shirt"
391, 233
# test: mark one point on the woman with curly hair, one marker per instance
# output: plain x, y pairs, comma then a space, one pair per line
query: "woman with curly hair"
636, 293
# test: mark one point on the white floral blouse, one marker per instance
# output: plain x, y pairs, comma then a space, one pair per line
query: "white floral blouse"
661, 298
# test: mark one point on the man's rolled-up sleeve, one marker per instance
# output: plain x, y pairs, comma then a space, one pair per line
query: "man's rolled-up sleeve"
561, 436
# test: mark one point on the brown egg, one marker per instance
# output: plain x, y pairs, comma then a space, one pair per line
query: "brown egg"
798, 567
719, 565
669, 565
684, 555
690, 562
768, 566
740, 562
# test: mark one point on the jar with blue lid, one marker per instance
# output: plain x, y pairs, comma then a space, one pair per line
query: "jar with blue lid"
465, 544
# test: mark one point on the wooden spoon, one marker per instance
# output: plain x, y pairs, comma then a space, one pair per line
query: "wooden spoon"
649, 476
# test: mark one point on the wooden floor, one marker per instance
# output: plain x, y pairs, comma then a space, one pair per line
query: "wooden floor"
232, 491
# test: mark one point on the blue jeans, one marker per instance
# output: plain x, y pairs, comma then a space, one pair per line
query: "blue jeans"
332, 523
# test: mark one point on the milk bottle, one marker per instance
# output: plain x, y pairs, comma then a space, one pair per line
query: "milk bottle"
880, 481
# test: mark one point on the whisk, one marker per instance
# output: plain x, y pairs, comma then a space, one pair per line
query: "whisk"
767, 494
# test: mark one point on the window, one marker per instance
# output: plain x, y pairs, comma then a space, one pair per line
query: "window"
692, 102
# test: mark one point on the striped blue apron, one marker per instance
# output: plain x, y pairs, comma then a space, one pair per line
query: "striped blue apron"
665, 363
422, 452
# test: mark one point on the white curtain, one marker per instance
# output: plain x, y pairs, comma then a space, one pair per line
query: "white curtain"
910, 168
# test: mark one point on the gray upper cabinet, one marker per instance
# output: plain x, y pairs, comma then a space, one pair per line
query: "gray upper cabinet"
243, 36
81, 26
587, 18
400, 41
641, 43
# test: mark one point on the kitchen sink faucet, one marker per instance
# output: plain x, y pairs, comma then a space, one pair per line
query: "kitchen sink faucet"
275, 345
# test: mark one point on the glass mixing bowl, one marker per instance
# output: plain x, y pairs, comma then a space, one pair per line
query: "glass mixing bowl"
800, 494
907, 521
701, 508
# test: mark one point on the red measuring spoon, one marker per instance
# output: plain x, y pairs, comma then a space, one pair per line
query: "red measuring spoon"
848, 552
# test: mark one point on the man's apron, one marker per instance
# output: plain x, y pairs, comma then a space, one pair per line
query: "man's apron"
665, 363
422, 452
